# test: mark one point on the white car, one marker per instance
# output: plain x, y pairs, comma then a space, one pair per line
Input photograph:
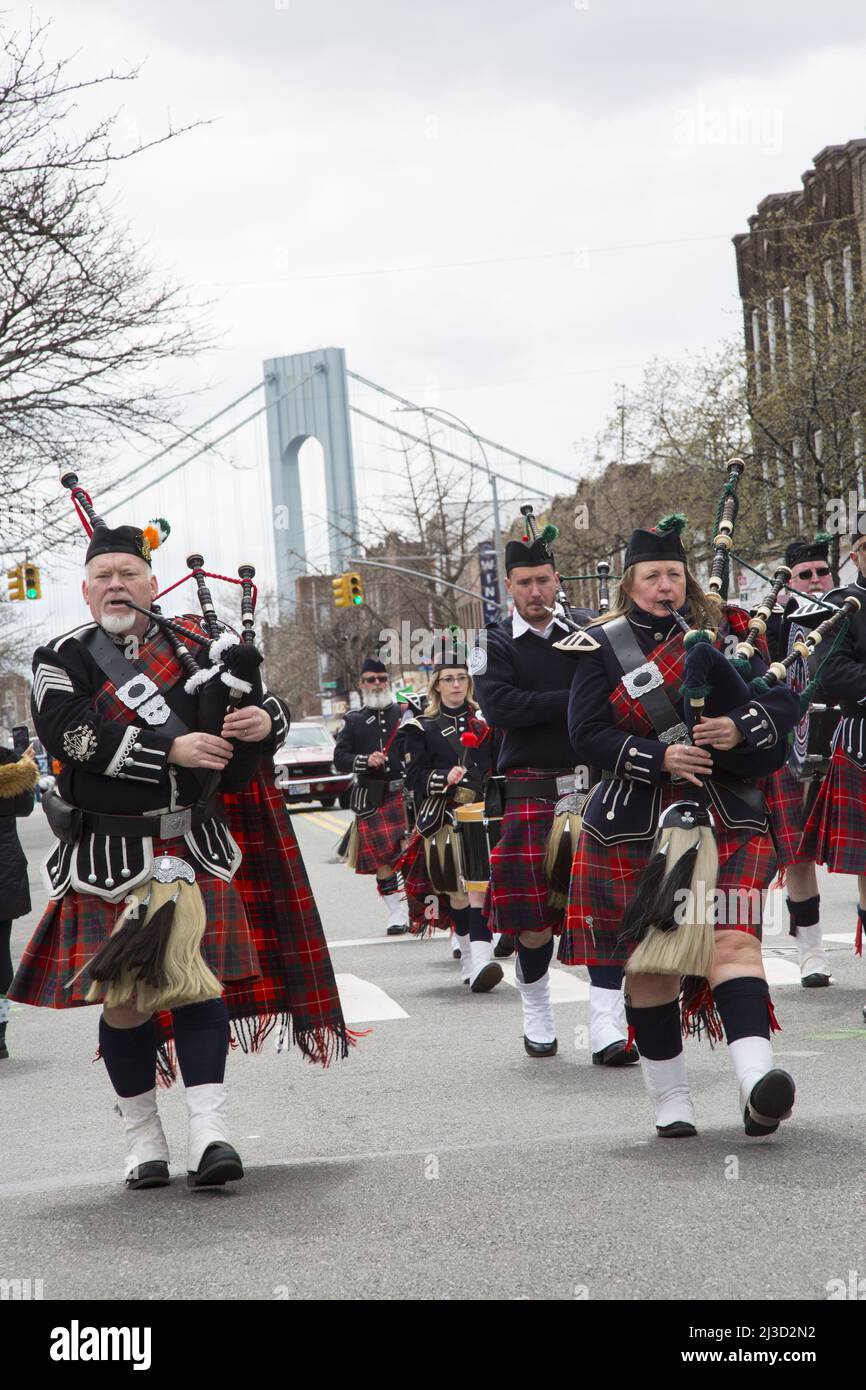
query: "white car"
304, 767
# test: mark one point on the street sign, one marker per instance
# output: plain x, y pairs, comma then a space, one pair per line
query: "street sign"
488, 571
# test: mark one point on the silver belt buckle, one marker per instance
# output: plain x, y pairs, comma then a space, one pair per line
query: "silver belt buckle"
175, 823
167, 868
565, 784
678, 734
643, 679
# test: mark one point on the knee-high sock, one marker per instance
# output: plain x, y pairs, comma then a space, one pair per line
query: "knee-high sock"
201, 1039
657, 1030
129, 1055
534, 960
744, 1008
606, 976
386, 886
478, 928
462, 921
806, 913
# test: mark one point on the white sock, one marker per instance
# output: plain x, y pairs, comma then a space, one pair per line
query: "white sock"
607, 1022
751, 1059
465, 955
668, 1086
398, 908
810, 951
538, 1022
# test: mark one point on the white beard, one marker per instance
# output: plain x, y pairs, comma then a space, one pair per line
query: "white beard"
118, 623
377, 699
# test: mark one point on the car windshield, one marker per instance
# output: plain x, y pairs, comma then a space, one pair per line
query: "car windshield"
307, 736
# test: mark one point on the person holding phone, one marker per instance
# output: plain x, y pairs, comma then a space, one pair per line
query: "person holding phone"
18, 777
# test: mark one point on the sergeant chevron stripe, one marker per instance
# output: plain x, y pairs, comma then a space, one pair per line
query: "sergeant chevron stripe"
49, 678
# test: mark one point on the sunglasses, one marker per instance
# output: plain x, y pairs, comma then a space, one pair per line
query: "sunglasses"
820, 572
374, 680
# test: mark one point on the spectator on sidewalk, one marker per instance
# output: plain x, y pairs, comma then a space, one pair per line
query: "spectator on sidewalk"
18, 777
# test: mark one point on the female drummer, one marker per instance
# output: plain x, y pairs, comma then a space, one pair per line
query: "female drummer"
638, 739
441, 771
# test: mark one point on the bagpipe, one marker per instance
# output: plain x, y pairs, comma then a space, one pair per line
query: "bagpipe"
231, 676
667, 925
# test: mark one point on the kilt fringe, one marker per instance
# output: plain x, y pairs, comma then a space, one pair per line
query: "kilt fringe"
321, 1045
698, 1012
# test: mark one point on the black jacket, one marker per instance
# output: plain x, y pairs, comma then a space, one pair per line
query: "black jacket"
625, 805
523, 686
433, 747
18, 777
843, 678
366, 731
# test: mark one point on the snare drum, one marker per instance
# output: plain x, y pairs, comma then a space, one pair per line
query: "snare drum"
813, 742
478, 837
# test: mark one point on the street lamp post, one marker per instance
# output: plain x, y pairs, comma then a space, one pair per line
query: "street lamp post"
491, 478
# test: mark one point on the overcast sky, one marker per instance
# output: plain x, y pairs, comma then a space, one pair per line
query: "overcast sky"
507, 207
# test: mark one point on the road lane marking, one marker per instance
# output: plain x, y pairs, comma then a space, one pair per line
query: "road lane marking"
364, 1002
325, 822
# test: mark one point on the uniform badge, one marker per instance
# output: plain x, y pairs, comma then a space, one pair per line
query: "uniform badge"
580, 641
477, 661
79, 744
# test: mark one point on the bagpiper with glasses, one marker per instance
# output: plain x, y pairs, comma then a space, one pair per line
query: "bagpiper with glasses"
792, 791
523, 684
370, 745
835, 832
448, 757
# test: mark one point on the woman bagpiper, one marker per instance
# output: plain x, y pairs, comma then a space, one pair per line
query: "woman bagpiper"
626, 716
448, 758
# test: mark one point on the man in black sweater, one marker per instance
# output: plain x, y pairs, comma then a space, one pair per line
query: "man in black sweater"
523, 684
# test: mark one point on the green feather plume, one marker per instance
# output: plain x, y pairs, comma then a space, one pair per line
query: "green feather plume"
675, 521
550, 533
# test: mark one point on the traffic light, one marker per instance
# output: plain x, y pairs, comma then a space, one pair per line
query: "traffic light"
32, 582
15, 581
341, 591
356, 589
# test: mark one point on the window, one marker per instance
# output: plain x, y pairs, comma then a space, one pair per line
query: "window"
810, 314
768, 495
771, 333
848, 274
756, 348
797, 451
780, 474
786, 313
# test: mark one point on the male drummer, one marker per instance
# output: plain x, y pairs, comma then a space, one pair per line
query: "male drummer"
370, 745
835, 833
523, 685
790, 796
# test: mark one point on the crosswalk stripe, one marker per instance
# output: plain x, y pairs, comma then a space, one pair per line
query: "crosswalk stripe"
364, 1002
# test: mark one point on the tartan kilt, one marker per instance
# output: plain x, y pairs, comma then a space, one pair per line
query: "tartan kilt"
73, 928
835, 832
380, 836
787, 800
412, 865
517, 893
603, 881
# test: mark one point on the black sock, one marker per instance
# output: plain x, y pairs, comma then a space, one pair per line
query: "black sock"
657, 1030
743, 1005
534, 960
804, 914
605, 976
129, 1055
388, 885
478, 928
201, 1039
461, 919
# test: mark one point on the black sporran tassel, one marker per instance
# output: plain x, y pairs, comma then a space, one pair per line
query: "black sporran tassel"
111, 959
146, 957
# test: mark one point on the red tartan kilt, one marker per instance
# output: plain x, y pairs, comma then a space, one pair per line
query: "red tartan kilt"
517, 895
412, 865
786, 798
380, 836
73, 928
835, 832
603, 882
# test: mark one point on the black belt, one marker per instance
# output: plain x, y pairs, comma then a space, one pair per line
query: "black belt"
170, 825
544, 788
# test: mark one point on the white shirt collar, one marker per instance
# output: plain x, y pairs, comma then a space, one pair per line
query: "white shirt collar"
519, 625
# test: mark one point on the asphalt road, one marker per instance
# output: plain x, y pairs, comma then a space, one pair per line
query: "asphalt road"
439, 1161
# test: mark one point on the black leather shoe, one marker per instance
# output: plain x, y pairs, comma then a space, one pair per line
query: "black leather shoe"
397, 929
616, 1054
504, 948
816, 981
770, 1102
540, 1049
219, 1164
153, 1174
680, 1129
487, 978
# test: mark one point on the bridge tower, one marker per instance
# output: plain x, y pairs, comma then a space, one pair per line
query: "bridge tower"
307, 396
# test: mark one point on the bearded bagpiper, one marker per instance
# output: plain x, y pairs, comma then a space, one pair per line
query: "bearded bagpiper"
177, 896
